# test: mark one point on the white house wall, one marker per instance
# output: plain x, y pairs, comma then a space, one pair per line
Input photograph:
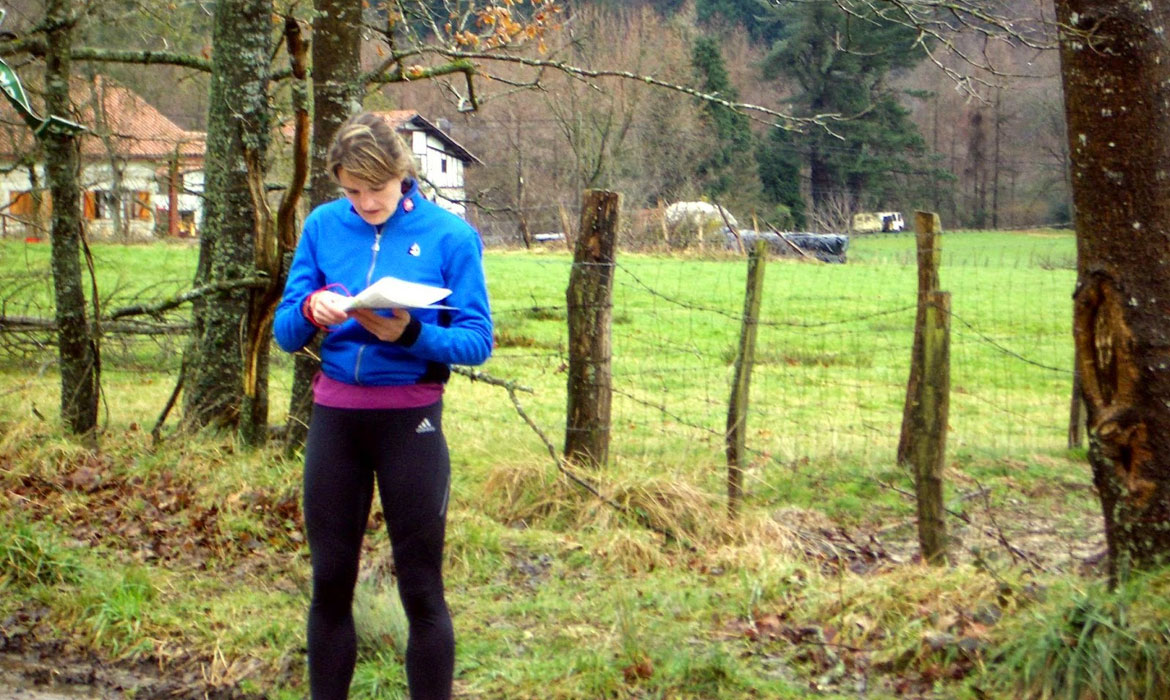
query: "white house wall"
429, 154
136, 177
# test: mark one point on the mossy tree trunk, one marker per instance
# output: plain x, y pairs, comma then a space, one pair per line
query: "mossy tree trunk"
1115, 65
76, 344
237, 142
336, 50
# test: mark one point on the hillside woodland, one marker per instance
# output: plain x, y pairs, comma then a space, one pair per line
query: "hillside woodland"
985, 150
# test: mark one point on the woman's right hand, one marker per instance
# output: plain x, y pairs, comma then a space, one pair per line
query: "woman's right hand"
327, 308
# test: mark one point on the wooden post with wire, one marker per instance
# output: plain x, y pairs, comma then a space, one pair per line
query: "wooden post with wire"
927, 228
737, 409
922, 443
930, 427
590, 310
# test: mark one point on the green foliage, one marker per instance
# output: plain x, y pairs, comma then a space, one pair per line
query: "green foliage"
379, 619
379, 677
841, 63
1090, 642
31, 556
751, 14
662, 7
779, 159
730, 173
122, 602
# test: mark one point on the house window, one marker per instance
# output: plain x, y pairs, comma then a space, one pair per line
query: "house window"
100, 204
442, 165
139, 207
20, 204
105, 200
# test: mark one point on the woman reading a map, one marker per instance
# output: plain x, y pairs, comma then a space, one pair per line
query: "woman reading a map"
377, 401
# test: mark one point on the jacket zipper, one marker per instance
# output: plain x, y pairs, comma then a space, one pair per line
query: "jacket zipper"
357, 366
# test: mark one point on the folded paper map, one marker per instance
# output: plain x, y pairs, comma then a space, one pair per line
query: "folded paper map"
393, 293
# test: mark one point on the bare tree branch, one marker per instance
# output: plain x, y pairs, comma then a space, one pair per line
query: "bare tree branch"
37, 46
190, 295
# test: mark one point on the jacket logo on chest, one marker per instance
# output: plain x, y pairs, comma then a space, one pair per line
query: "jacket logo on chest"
414, 250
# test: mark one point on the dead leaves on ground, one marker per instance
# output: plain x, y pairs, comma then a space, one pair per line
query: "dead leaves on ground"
949, 648
156, 517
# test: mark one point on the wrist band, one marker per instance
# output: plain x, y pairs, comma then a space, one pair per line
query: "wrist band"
307, 305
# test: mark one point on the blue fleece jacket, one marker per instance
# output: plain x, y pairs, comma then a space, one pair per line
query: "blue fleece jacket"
427, 245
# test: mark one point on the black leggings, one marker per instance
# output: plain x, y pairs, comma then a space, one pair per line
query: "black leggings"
407, 453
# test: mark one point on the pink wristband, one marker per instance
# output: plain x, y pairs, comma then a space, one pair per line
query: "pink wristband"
307, 305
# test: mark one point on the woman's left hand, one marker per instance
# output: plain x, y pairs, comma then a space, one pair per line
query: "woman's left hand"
387, 329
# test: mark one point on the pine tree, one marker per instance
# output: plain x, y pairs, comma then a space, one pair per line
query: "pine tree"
730, 172
779, 157
841, 63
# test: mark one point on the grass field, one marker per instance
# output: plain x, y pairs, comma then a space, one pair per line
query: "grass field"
188, 555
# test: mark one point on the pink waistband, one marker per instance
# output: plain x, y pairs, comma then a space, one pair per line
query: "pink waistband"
335, 394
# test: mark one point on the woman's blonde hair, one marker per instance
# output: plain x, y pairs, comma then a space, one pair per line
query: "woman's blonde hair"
369, 150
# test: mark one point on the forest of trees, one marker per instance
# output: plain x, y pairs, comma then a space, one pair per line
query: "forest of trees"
903, 137
907, 137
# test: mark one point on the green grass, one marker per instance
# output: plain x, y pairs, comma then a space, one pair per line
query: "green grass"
188, 553
1087, 641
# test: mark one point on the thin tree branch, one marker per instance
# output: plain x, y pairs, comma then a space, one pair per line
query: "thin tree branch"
190, 295
38, 46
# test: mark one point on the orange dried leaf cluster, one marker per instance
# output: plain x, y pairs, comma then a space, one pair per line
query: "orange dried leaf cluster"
501, 28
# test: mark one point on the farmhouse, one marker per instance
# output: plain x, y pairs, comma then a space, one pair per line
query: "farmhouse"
141, 174
441, 159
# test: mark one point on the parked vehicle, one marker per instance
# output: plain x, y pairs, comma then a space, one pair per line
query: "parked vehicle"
875, 221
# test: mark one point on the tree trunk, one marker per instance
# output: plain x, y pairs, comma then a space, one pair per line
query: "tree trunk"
275, 243
76, 347
1116, 72
995, 156
336, 50
237, 133
820, 178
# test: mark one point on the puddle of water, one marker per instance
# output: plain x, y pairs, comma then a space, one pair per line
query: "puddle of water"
14, 686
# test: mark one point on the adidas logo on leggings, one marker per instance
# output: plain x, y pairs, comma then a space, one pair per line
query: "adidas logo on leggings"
425, 427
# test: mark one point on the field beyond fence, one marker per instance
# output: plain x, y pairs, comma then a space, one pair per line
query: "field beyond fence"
832, 357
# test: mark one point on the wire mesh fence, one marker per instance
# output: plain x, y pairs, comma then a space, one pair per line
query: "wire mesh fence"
833, 351
833, 347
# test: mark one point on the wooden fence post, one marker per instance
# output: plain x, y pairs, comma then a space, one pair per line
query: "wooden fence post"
930, 427
744, 360
927, 226
590, 307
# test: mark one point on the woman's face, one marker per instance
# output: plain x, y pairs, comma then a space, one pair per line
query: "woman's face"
374, 203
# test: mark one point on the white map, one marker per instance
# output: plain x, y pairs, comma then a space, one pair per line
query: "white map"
393, 293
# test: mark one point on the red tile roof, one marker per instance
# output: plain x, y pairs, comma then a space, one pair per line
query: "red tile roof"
138, 130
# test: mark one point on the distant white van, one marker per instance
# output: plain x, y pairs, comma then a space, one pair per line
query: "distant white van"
875, 221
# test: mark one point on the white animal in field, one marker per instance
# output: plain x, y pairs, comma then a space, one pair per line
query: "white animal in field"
694, 221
